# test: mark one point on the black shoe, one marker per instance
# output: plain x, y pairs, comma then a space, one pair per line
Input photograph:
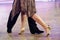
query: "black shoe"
39, 32
32, 32
9, 31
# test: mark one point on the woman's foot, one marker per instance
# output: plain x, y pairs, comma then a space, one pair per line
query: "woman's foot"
48, 31
22, 30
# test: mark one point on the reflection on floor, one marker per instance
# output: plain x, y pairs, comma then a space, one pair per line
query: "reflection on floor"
46, 10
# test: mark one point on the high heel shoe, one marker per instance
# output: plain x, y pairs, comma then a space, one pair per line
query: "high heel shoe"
22, 30
48, 33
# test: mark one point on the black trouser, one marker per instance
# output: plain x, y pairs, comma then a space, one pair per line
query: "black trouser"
32, 25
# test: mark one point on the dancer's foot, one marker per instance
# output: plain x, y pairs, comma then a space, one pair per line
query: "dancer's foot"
48, 31
40, 32
37, 32
9, 31
22, 30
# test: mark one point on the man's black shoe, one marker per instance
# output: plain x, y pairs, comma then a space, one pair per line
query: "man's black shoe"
9, 31
39, 32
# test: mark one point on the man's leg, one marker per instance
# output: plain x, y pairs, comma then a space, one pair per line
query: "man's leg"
11, 23
33, 26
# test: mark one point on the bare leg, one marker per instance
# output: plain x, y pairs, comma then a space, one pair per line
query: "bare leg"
23, 23
41, 22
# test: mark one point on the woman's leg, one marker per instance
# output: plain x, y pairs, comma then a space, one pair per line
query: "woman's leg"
41, 22
23, 22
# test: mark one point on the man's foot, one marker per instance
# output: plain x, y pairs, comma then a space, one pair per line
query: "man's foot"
9, 31
39, 32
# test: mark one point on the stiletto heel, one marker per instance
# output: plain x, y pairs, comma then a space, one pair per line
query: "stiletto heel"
48, 33
49, 28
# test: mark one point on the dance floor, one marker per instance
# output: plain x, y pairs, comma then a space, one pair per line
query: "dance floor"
46, 10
